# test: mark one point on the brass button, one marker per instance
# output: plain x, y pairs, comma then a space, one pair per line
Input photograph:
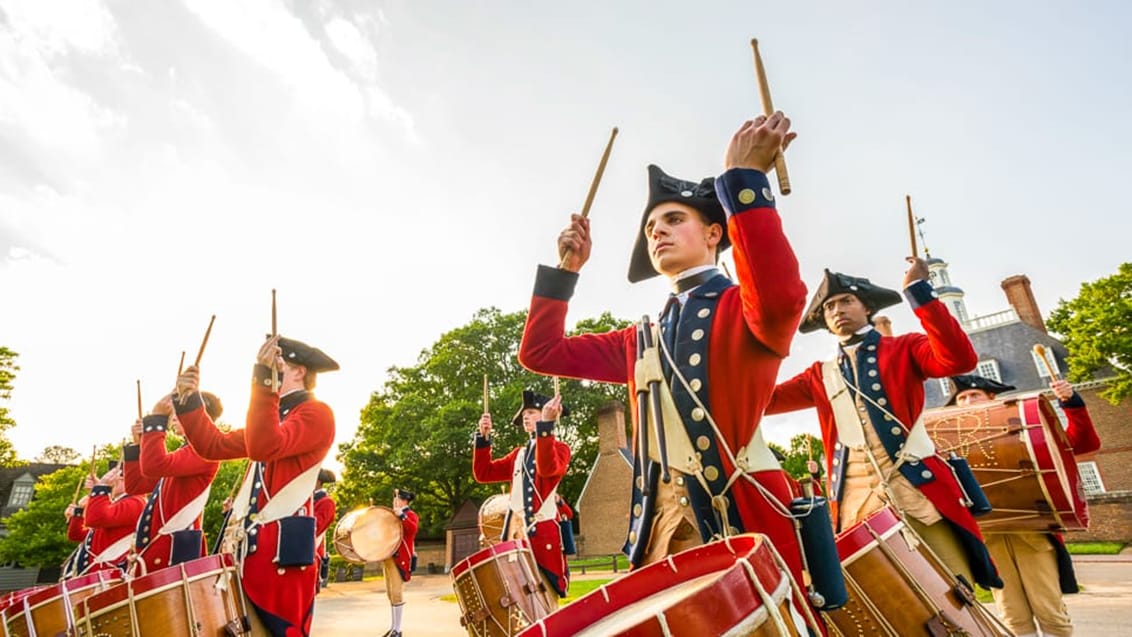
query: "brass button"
636, 510
697, 414
632, 537
697, 334
882, 401
872, 372
711, 473
704, 312
679, 481
876, 386
703, 443
896, 430
926, 474
683, 500
694, 359
746, 196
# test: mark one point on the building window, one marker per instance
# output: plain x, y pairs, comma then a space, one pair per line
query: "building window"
1090, 478
21, 494
989, 369
945, 387
1042, 371
960, 312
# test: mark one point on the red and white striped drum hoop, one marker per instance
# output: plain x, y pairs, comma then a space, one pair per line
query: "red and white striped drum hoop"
736, 586
198, 597
1021, 457
895, 590
50, 610
500, 590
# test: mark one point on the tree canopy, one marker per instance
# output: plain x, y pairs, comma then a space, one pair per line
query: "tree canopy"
8, 369
416, 432
1096, 328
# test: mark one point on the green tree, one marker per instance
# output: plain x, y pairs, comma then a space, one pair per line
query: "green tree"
37, 534
803, 448
8, 369
417, 430
58, 454
1096, 327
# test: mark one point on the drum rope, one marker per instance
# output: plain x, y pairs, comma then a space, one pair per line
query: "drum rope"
483, 601
767, 599
869, 605
799, 597
909, 579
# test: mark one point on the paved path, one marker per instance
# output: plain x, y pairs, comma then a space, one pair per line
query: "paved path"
360, 609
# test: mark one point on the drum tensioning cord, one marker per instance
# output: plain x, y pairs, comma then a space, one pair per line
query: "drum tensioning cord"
532, 577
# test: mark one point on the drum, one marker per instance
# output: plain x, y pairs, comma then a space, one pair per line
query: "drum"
737, 586
50, 610
1020, 455
898, 590
198, 597
501, 591
493, 516
369, 534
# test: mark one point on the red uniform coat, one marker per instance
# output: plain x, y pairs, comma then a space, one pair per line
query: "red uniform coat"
287, 448
904, 362
184, 475
324, 511
111, 521
552, 457
751, 330
1083, 439
403, 556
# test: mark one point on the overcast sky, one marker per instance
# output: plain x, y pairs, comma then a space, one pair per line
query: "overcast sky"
390, 167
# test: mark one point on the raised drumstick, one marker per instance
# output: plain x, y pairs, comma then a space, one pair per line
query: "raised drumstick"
594, 184
204, 342
1040, 352
912, 227
768, 110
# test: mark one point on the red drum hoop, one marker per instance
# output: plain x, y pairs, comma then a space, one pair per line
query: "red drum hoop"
737, 586
51, 610
895, 590
1020, 455
501, 591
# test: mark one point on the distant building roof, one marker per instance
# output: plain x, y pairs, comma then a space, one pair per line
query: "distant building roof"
9, 475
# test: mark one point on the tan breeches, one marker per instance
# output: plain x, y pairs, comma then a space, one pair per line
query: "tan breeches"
674, 528
940, 537
1027, 564
394, 585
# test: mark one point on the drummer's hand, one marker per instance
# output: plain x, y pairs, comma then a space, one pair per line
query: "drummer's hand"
758, 141
164, 407
88, 484
918, 271
107, 477
1062, 389
575, 239
226, 505
270, 354
189, 381
485, 425
552, 409
136, 431
69, 512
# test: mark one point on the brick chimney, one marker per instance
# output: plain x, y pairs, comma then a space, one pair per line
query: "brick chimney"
611, 427
1021, 298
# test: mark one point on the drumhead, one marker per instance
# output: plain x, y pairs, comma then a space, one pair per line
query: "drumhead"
370, 534
493, 515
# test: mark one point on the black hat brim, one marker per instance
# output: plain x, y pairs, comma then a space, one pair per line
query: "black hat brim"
972, 381
873, 296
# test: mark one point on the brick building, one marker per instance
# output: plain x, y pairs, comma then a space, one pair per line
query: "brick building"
603, 504
1004, 341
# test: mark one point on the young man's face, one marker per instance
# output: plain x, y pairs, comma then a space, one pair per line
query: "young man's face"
679, 239
398, 502
531, 416
293, 376
972, 397
845, 314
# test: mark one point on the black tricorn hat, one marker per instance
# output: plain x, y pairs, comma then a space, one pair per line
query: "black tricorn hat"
664, 188
326, 476
532, 400
971, 381
404, 494
299, 353
873, 296
212, 405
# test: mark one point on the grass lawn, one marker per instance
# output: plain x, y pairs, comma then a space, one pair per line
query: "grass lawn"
599, 564
1094, 548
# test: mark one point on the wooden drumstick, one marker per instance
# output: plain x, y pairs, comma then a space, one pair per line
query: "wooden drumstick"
557, 392
274, 333
1040, 352
485, 400
181, 365
593, 185
139, 400
204, 342
912, 227
726, 270
768, 110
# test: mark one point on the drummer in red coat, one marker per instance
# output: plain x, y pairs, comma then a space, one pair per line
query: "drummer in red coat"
77, 531
873, 419
178, 482
288, 435
534, 471
324, 511
727, 342
113, 516
1036, 569
398, 568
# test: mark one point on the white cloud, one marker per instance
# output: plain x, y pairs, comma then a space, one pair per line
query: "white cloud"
53, 27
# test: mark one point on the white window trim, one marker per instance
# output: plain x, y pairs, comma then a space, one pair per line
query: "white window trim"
1089, 469
1050, 358
997, 373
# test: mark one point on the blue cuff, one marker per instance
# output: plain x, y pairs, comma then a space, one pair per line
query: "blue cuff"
131, 452
192, 402
920, 293
78, 512
482, 442
100, 489
555, 283
261, 376
154, 423
544, 429
1074, 401
742, 189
